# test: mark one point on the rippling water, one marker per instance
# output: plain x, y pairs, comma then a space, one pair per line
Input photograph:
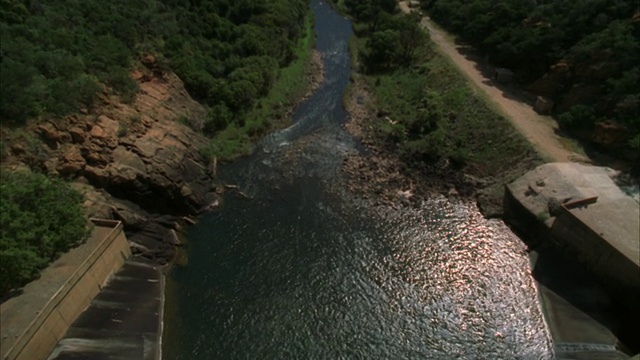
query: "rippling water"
304, 271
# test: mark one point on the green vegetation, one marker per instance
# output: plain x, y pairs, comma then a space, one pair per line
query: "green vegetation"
426, 109
594, 45
57, 55
243, 59
39, 218
543, 216
229, 54
269, 111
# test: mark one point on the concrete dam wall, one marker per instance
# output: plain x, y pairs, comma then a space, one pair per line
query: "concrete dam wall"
586, 215
583, 233
34, 322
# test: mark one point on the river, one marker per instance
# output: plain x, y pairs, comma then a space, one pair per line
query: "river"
301, 269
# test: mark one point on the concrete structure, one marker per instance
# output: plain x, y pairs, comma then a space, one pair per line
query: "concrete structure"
589, 218
578, 214
33, 322
123, 322
599, 236
582, 320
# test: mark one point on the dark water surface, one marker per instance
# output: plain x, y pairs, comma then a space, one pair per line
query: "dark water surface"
303, 270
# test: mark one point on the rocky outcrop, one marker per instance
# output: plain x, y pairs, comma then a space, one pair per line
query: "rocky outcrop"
143, 152
151, 235
154, 163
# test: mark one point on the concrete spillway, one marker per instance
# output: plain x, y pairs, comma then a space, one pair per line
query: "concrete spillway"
123, 320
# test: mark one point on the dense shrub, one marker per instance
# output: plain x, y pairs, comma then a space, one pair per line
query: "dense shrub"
55, 53
39, 218
426, 111
599, 39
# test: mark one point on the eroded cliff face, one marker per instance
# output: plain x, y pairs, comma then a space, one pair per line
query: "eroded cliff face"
137, 162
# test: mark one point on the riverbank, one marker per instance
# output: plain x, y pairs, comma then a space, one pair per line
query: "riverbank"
383, 173
272, 112
140, 162
481, 151
440, 134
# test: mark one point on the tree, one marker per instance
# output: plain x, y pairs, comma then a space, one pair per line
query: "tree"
412, 38
383, 49
40, 218
13, 11
22, 91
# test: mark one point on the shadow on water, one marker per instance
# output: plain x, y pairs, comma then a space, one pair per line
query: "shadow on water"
580, 309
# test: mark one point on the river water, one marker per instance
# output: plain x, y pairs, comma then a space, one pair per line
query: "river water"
303, 270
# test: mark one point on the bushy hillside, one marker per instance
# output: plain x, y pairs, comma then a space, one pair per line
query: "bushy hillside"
426, 113
40, 218
584, 55
57, 55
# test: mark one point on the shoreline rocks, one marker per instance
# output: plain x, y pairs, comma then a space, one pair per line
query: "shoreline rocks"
378, 171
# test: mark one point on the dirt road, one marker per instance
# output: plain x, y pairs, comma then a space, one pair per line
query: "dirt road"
541, 131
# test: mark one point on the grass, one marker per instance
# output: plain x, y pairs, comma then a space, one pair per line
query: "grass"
271, 111
228, 144
572, 145
469, 131
543, 216
288, 88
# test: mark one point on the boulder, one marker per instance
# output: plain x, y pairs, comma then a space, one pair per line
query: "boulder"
52, 136
121, 175
77, 135
97, 203
105, 128
131, 217
610, 134
98, 132
192, 170
123, 156
71, 161
97, 176
149, 61
48, 132
97, 159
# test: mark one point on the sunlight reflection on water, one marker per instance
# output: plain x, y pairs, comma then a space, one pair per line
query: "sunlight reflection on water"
303, 270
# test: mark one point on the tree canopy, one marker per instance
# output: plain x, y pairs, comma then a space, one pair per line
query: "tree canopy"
39, 218
57, 55
584, 55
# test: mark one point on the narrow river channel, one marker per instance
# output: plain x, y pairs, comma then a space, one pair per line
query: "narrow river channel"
303, 270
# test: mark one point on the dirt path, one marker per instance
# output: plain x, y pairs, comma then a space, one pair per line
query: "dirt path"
541, 131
